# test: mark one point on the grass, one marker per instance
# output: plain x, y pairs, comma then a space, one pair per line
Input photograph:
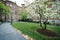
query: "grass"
28, 28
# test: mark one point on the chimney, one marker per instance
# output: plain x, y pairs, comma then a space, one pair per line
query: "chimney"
23, 5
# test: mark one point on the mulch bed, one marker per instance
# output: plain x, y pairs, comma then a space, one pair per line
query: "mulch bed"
47, 32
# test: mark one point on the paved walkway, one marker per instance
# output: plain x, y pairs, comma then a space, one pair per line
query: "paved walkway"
7, 32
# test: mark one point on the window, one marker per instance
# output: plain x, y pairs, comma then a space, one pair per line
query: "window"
4, 0
49, 5
59, 0
7, 4
10, 5
54, 0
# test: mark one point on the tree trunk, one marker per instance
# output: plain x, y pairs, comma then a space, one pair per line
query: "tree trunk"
11, 18
40, 21
45, 24
5, 17
41, 24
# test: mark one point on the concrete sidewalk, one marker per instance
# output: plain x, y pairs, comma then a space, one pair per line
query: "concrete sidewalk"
7, 32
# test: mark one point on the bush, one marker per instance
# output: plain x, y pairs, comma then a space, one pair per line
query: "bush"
35, 21
57, 24
27, 20
48, 23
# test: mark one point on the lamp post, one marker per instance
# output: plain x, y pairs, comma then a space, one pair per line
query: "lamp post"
11, 18
12, 14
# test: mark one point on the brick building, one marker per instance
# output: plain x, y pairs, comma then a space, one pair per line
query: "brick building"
14, 9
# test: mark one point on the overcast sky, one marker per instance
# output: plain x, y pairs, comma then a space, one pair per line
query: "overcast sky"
19, 2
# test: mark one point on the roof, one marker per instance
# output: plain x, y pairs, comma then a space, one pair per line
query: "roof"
11, 2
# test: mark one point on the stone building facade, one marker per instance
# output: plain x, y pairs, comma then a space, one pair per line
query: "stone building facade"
14, 9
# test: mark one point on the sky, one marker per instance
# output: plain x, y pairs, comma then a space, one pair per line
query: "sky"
19, 2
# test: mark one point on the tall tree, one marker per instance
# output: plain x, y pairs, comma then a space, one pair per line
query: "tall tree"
23, 14
42, 7
4, 10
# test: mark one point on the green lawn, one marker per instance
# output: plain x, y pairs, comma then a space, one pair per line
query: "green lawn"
30, 29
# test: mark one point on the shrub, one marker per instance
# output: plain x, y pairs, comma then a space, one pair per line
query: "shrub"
27, 20
49, 23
